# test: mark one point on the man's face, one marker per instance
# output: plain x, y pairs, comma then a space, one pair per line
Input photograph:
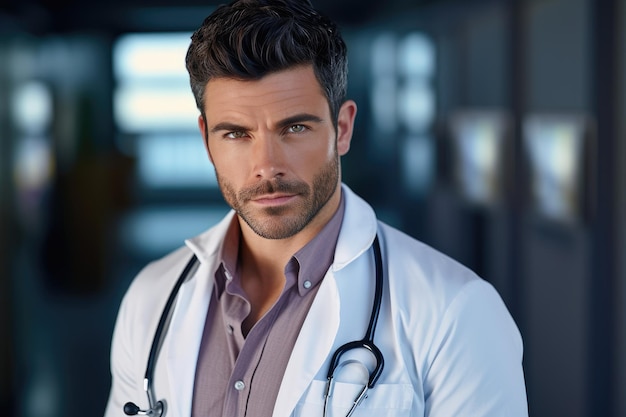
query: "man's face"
275, 149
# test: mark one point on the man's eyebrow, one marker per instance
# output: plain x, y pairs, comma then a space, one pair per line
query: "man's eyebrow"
298, 118
286, 122
228, 126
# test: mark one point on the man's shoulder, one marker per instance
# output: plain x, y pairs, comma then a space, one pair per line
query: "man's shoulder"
428, 286
419, 268
413, 250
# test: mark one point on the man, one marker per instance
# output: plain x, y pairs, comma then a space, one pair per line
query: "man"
289, 275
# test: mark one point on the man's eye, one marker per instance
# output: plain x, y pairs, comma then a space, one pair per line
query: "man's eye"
236, 135
296, 129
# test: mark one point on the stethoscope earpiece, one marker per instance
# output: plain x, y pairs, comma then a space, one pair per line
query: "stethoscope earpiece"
131, 409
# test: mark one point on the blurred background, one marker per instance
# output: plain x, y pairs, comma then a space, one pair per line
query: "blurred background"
492, 130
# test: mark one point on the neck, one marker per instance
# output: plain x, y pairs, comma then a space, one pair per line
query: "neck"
268, 257
262, 261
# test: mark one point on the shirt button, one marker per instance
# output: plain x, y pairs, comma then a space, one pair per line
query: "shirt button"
229, 277
230, 329
306, 284
239, 385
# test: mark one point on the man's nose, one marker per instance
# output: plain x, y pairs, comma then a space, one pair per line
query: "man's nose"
268, 156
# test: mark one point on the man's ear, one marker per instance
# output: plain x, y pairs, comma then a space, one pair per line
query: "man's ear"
204, 132
345, 126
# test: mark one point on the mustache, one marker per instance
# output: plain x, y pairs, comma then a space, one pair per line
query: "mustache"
273, 186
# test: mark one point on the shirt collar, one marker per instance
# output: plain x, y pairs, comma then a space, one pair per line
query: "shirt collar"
311, 261
229, 254
316, 257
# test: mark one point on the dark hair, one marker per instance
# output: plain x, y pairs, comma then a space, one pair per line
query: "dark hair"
249, 39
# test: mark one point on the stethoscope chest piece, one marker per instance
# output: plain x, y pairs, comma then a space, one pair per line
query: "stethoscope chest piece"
366, 343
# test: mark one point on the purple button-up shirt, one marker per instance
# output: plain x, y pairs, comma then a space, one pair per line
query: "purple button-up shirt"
239, 375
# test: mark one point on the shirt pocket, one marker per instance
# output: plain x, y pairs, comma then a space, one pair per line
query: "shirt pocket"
384, 400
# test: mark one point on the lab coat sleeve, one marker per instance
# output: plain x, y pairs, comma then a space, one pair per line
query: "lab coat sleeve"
123, 368
475, 360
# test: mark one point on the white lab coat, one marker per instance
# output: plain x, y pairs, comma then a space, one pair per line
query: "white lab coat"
450, 346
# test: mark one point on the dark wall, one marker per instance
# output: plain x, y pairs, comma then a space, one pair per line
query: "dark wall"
564, 282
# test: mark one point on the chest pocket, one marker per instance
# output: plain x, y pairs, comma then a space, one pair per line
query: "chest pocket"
384, 400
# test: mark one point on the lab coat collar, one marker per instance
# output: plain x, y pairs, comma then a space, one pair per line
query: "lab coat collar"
358, 230
209, 244
356, 236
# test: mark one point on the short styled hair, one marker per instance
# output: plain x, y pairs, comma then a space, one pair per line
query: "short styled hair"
249, 39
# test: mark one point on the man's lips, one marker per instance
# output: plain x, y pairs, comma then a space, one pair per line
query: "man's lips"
274, 199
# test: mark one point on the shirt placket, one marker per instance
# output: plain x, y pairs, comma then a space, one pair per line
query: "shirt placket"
242, 377
250, 349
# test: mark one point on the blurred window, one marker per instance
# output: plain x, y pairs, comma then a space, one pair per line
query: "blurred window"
171, 161
555, 146
155, 111
403, 104
479, 139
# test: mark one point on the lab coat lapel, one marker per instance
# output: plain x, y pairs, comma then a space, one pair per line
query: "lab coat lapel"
187, 326
316, 339
312, 347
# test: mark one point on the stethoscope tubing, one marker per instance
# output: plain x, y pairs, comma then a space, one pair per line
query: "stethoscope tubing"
366, 343
157, 408
368, 339
158, 335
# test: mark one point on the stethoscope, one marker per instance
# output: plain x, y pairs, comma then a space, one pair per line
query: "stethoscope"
158, 408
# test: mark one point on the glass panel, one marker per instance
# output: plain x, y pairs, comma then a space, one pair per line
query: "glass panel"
383, 55
154, 108
172, 161
417, 56
155, 231
383, 102
555, 149
418, 163
417, 105
151, 55
32, 107
479, 139
158, 106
